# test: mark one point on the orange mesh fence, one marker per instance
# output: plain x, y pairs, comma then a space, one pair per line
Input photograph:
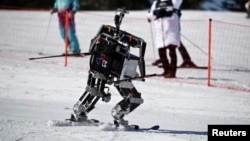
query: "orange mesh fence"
230, 54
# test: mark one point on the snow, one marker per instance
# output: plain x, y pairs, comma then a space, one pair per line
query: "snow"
32, 93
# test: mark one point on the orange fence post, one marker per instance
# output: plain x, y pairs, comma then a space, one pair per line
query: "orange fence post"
66, 39
209, 52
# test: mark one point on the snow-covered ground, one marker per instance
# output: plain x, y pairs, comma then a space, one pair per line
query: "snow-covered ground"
35, 92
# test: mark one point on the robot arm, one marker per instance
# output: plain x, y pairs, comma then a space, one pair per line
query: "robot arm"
137, 42
141, 60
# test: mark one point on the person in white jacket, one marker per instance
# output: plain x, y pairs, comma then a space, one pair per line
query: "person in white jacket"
247, 6
164, 13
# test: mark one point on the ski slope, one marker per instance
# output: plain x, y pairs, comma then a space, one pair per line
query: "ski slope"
35, 92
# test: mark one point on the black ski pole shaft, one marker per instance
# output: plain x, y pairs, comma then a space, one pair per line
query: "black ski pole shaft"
139, 77
44, 57
152, 39
62, 55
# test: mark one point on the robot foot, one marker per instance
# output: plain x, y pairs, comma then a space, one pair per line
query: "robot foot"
118, 115
79, 113
78, 118
120, 122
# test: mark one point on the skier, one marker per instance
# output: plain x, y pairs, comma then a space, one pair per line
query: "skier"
165, 14
187, 61
62, 7
112, 63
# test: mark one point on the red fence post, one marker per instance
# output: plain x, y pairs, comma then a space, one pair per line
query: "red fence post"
66, 39
209, 52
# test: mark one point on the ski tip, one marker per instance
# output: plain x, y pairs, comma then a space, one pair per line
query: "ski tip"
155, 127
95, 120
136, 127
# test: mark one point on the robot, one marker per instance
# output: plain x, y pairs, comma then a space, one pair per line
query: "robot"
111, 63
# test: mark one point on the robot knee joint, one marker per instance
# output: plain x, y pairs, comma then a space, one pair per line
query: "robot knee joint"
106, 98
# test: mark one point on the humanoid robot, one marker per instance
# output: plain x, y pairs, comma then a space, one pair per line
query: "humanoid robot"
112, 63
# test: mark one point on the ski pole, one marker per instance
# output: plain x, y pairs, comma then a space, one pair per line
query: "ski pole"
50, 17
152, 39
138, 77
194, 44
62, 55
47, 31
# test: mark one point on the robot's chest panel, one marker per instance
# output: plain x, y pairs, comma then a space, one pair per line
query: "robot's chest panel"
107, 64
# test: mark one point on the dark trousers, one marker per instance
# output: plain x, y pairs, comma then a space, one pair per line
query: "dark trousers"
184, 54
168, 66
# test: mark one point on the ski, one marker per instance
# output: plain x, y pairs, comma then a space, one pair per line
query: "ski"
196, 67
103, 126
154, 127
67, 122
132, 127
138, 128
94, 122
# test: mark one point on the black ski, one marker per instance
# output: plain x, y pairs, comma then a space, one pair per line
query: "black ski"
94, 122
87, 120
97, 123
196, 67
135, 127
155, 127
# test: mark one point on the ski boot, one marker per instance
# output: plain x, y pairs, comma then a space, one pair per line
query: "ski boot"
79, 113
118, 114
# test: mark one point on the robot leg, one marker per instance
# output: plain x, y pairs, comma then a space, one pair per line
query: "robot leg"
86, 103
131, 100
